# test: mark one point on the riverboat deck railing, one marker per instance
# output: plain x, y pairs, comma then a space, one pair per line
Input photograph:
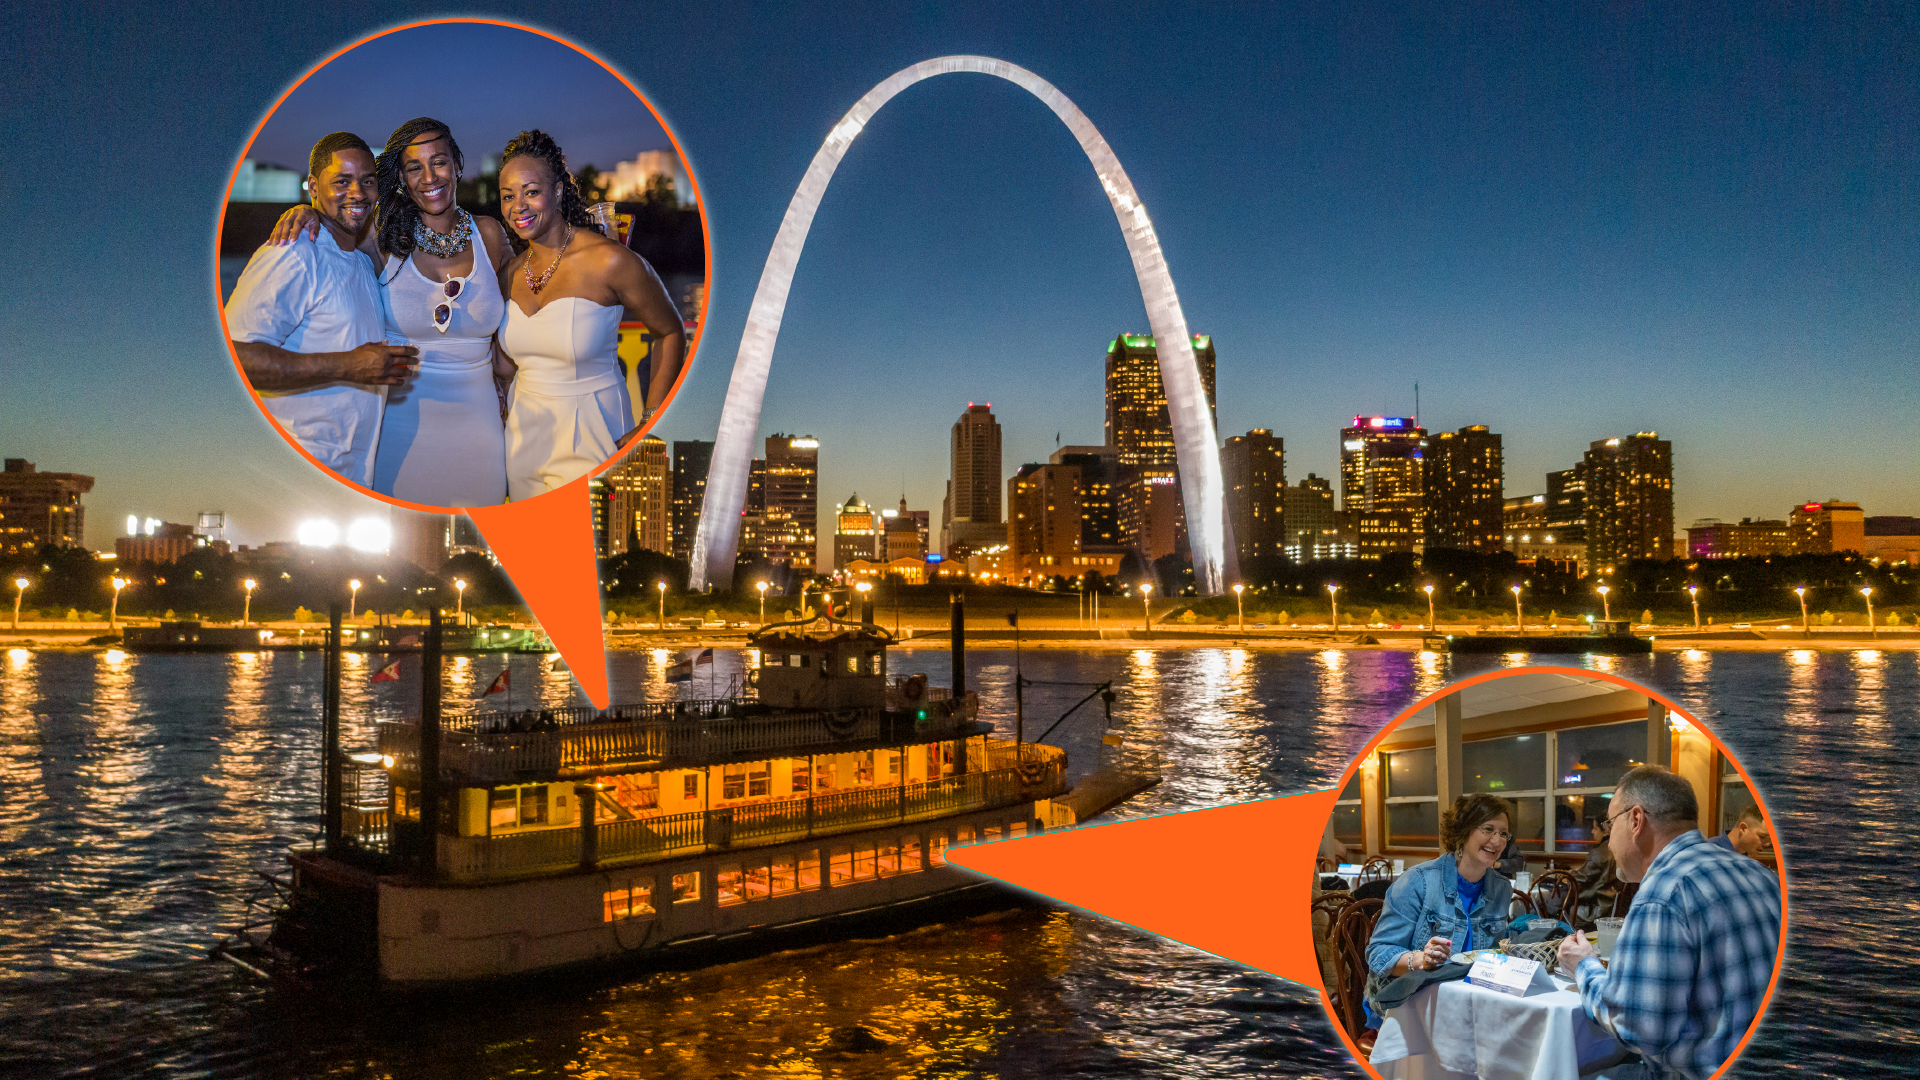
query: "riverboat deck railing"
484, 749
1011, 777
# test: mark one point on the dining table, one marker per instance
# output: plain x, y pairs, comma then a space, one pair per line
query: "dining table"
1457, 1030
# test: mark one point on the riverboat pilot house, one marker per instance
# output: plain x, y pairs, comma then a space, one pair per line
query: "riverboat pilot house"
573, 836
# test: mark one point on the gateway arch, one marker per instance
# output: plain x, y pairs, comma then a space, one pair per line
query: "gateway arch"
717, 541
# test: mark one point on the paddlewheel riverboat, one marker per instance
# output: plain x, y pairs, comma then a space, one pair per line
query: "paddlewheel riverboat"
499, 844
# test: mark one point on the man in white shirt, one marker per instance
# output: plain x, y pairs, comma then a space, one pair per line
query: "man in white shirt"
305, 320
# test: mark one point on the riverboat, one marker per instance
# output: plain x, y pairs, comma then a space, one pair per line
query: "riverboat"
496, 845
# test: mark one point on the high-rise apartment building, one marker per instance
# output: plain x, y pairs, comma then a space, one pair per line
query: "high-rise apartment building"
857, 532
1464, 496
1138, 427
691, 460
790, 524
1383, 483
1566, 511
39, 508
1629, 500
1101, 494
1827, 528
970, 516
1312, 526
639, 500
1254, 470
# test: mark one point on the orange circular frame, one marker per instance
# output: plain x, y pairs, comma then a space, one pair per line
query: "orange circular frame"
706, 238
1780, 856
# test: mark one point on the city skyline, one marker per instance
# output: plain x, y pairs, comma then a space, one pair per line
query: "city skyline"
1594, 241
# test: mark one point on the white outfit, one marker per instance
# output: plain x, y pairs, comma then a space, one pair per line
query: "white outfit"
316, 298
442, 442
569, 402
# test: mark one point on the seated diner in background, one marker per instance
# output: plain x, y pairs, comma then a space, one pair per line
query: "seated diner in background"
1693, 962
1456, 902
1596, 888
1749, 835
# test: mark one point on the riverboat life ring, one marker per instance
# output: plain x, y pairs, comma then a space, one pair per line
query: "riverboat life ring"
842, 724
1031, 771
915, 688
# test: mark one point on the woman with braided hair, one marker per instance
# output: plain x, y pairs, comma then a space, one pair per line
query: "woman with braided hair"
443, 438
566, 296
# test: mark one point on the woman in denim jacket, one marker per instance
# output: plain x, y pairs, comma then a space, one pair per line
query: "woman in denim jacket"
1456, 902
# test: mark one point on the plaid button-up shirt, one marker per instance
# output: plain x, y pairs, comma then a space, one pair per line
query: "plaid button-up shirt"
1693, 962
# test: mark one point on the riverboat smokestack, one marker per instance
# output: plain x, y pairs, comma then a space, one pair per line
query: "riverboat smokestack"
331, 780
957, 637
430, 744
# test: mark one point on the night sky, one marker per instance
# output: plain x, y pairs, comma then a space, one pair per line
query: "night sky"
1567, 222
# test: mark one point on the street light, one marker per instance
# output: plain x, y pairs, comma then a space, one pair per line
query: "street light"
1806, 624
353, 601
19, 590
1334, 592
1867, 591
1431, 626
662, 586
1606, 609
460, 600
1239, 604
762, 586
1146, 608
1519, 623
1694, 591
246, 615
113, 613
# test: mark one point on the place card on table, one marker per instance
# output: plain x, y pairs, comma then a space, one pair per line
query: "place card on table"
1510, 975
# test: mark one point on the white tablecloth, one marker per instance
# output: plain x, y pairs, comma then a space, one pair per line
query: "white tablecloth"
1457, 1030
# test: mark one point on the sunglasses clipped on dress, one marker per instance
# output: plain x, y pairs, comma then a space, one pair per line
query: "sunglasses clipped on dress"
443, 311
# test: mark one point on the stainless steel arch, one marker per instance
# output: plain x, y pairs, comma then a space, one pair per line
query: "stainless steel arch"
718, 539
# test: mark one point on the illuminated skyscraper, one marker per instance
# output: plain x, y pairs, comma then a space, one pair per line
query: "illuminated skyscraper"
1629, 500
1138, 427
791, 522
1464, 500
1383, 483
1101, 495
970, 517
1566, 509
638, 514
691, 458
1312, 526
856, 533
1254, 471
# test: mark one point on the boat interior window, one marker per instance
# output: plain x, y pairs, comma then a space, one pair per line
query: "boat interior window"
991, 832
863, 862
733, 785
809, 870
888, 861
963, 835
937, 849
802, 776
630, 900
686, 887
785, 880
840, 864
690, 786
533, 805
909, 854
853, 665
760, 781
505, 811
1018, 828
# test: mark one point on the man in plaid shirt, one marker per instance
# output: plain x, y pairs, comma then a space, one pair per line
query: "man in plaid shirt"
1693, 963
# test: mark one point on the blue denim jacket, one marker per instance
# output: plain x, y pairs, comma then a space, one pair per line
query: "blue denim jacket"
1425, 903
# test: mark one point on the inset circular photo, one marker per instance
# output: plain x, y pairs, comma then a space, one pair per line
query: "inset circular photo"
1550, 873
462, 263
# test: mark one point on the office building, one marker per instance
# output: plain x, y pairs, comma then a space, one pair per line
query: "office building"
970, 516
1254, 471
1101, 494
904, 533
1383, 483
691, 460
1567, 504
40, 508
639, 500
789, 529
1629, 500
1523, 513
1138, 427
1827, 528
1464, 493
856, 533
1313, 527
1893, 539
1711, 538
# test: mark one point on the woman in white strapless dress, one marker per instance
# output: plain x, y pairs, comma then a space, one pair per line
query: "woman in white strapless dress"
568, 411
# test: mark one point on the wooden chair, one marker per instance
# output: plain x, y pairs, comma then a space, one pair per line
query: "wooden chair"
1555, 895
1325, 912
1350, 934
1324, 865
1376, 868
1623, 900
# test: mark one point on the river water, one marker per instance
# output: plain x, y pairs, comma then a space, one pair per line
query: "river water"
138, 796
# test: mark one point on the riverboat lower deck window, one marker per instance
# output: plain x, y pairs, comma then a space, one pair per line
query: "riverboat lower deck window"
628, 900
686, 887
1514, 768
742, 883
937, 849
1413, 803
690, 786
1349, 825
